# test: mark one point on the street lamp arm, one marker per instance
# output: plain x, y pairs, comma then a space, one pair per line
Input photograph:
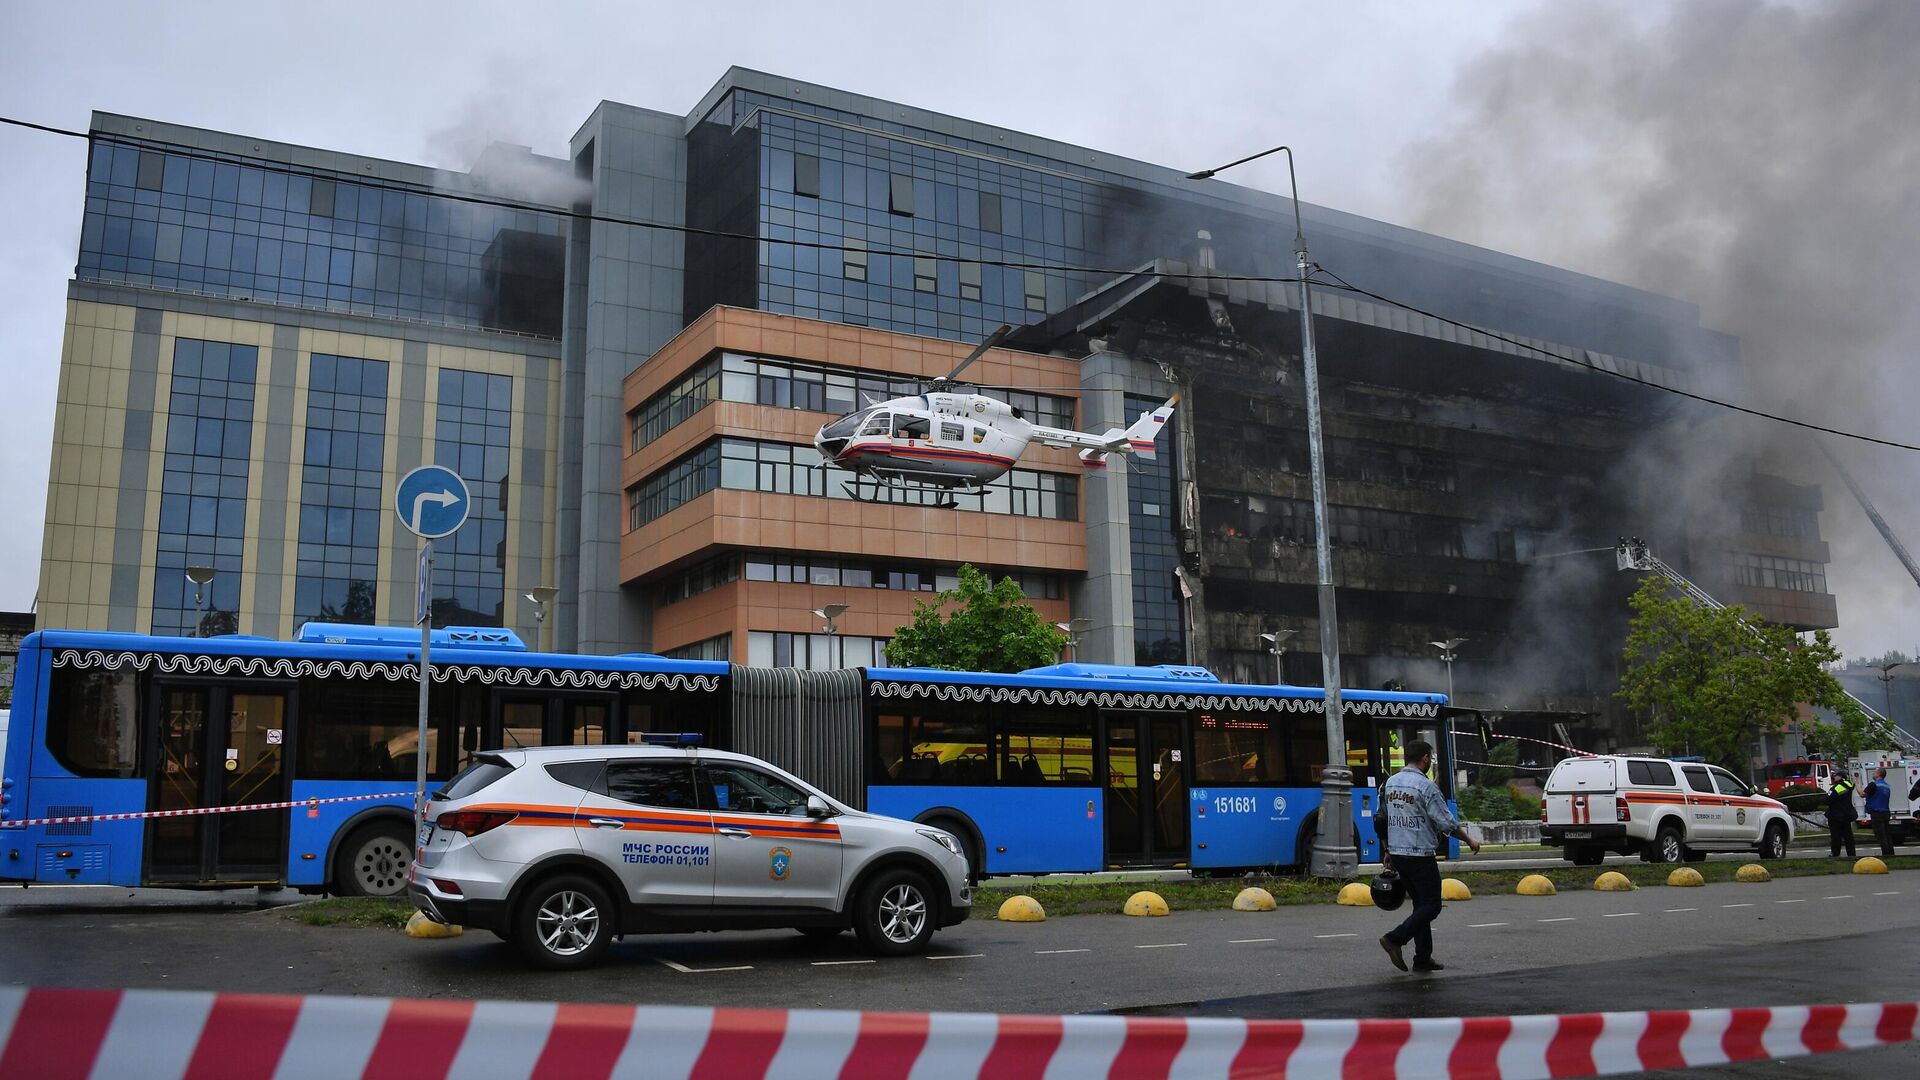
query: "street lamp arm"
1299, 234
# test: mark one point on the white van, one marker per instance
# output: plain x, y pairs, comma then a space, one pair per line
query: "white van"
1662, 810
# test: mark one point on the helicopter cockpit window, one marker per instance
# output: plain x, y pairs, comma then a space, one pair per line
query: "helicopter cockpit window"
911, 427
845, 426
878, 423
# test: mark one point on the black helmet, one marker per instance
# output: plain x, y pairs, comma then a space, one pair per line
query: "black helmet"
1389, 891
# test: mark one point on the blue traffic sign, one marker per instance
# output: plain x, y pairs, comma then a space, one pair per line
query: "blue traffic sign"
432, 501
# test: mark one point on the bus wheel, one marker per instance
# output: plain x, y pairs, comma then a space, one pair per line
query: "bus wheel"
373, 861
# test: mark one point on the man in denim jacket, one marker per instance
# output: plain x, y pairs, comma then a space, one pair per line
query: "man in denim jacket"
1414, 816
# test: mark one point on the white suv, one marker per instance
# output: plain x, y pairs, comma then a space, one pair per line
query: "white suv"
561, 849
1665, 811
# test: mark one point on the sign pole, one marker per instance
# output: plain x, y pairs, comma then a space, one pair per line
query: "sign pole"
423, 613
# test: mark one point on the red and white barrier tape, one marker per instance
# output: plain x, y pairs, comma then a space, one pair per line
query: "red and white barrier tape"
1574, 750
198, 810
55, 1034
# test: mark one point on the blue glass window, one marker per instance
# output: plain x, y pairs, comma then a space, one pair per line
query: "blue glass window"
203, 488
472, 432
341, 468
1159, 629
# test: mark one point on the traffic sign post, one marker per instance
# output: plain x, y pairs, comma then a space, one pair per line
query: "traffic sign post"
432, 501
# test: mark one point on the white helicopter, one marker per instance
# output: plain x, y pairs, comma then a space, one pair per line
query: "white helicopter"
951, 438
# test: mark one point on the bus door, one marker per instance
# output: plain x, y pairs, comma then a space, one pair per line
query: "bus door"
1146, 790
219, 746
1376, 749
529, 718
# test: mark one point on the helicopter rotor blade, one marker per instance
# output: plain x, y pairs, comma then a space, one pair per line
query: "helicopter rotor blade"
978, 351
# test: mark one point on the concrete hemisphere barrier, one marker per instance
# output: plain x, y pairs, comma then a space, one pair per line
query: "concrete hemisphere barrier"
1355, 894
1868, 864
1613, 881
1454, 889
1685, 877
1144, 903
419, 926
1254, 898
1753, 874
1535, 885
1022, 908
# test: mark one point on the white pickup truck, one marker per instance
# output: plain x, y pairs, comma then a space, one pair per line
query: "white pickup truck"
1662, 810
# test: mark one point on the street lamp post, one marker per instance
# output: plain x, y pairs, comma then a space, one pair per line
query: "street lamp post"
1072, 629
1447, 653
831, 628
1277, 645
1333, 848
542, 597
201, 577
1886, 685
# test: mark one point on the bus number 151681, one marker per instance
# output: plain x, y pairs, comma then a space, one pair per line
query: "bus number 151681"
1233, 804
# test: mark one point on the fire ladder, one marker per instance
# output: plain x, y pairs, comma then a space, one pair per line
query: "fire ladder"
1631, 554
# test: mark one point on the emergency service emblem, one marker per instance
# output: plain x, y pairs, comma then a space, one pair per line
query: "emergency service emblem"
1740, 816
779, 862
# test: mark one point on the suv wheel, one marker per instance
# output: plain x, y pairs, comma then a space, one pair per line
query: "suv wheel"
373, 862
1668, 847
564, 922
1774, 844
894, 914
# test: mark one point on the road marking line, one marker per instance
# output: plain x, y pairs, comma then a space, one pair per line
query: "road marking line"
1842, 896
1248, 940
1735, 905
1563, 918
1172, 945
1335, 935
959, 956
1800, 901
1674, 909
1895, 892
1057, 952
685, 970
837, 963
1618, 914
1483, 925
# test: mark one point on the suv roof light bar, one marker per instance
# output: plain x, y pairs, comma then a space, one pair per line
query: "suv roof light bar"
670, 738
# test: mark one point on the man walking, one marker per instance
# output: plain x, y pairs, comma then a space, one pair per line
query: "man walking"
1414, 816
1879, 810
1840, 815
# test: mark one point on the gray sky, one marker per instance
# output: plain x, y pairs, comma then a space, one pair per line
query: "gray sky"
1361, 94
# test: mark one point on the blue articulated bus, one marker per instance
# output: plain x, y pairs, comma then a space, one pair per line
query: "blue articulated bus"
1082, 767
108, 723
1074, 767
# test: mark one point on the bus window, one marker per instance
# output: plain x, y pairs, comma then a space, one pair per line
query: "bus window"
1307, 757
1235, 749
92, 725
933, 748
522, 724
1034, 747
361, 730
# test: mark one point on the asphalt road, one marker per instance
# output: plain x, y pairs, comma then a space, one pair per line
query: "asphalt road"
1793, 941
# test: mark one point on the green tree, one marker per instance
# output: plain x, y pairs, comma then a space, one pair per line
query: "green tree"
1709, 680
6, 688
990, 628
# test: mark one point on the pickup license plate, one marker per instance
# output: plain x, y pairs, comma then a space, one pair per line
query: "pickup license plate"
426, 832
1579, 834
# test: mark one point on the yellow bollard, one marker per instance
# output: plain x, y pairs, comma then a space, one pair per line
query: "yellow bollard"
1144, 903
1613, 881
1752, 873
1254, 898
422, 927
1535, 885
1355, 894
1022, 909
1869, 865
1455, 889
1685, 877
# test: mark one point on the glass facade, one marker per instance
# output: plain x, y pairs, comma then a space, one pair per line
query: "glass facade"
794, 384
821, 652
200, 222
1773, 572
341, 469
1153, 513
785, 469
203, 491
472, 433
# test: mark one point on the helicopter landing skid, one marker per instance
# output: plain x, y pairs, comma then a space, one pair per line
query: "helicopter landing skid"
908, 482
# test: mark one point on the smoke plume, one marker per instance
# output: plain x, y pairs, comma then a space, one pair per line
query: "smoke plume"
1759, 159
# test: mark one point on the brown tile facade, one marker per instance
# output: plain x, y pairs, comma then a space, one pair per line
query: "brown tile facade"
721, 521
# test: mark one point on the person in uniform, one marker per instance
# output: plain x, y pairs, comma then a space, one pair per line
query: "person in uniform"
1414, 817
1880, 810
1840, 815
